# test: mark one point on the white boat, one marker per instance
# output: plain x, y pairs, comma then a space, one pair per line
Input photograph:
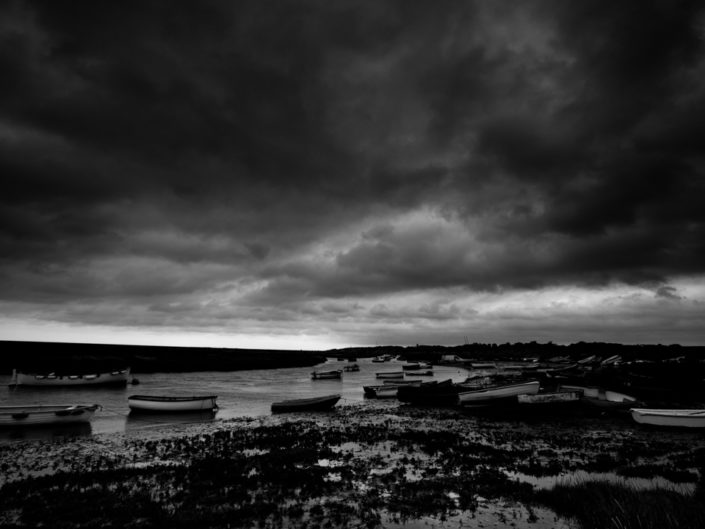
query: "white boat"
601, 397
390, 374
39, 415
497, 394
327, 375
165, 404
673, 418
109, 378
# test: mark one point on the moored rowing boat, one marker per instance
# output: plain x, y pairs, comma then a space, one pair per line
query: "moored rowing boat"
497, 394
602, 398
673, 418
167, 404
327, 375
109, 378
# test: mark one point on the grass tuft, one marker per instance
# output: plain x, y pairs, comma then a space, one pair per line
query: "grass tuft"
604, 505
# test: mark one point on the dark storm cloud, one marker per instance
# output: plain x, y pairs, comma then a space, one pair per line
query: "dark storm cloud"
284, 144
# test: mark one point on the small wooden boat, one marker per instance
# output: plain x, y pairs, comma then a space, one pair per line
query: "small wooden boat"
164, 404
390, 374
310, 404
672, 418
39, 415
327, 375
602, 398
111, 378
387, 390
497, 394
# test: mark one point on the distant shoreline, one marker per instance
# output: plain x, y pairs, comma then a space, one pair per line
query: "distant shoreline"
80, 357
73, 357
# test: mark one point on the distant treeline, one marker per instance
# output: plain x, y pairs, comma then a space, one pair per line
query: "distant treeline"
517, 351
73, 358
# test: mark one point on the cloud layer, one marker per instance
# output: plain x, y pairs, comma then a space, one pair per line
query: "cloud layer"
361, 172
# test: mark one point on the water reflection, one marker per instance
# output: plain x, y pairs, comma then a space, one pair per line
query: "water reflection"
45, 433
139, 421
240, 393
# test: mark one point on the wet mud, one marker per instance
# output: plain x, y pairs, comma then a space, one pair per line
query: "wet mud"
380, 465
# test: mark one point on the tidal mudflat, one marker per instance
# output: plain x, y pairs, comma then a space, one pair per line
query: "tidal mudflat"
370, 465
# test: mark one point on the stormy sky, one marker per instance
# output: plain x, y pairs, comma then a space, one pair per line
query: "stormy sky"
315, 173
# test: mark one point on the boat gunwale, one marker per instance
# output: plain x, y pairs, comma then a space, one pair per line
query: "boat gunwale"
164, 398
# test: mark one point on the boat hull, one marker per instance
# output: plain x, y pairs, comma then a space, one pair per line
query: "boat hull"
603, 398
390, 375
45, 415
327, 375
154, 404
312, 404
496, 395
670, 418
112, 378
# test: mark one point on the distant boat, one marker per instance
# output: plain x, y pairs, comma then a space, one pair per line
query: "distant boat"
40, 415
52, 379
390, 374
310, 404
673, 418
427, 373
484, 365
353, 367
327, 375
166, 404
387, 390
602, 398
497, 394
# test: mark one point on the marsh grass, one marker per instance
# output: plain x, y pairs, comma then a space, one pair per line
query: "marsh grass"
605, 505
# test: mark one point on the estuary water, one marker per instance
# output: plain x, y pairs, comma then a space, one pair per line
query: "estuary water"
240, 394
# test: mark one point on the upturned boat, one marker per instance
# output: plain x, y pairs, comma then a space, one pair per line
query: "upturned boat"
672, 418
53, 379
309, 404
497, 394
40, 415
167, 404
327, 375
